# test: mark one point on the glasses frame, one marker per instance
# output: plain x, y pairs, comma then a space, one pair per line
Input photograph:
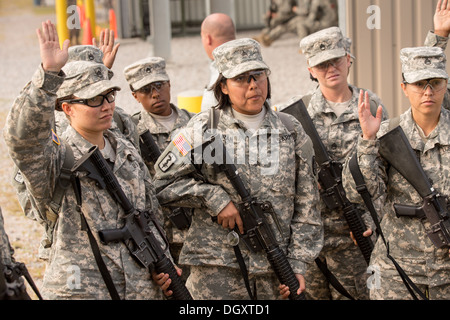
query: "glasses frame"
256, 75
85, 101
417, 89
336, 63
153, 86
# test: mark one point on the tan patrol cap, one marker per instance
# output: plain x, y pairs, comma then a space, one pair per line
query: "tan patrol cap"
324, 45
238, 56
421, 63
146, 71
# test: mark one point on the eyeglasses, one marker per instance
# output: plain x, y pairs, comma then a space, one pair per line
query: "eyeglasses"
148, 89
421, 86
336, 63
244, 79
95, 101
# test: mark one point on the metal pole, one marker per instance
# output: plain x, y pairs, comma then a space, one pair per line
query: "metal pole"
161, 28
61, 21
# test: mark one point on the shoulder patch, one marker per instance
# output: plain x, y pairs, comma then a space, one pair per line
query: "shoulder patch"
167, 162
55, 138
182, 144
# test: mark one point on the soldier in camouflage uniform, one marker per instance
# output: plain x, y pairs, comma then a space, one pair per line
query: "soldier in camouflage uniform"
283, 175
278, 17
321, 14
122, 124
333, 110
426, 125
150, 86
72, 272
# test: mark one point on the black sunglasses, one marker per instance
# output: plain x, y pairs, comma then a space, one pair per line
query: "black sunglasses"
96, 101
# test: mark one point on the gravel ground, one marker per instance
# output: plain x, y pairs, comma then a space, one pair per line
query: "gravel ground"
187, 68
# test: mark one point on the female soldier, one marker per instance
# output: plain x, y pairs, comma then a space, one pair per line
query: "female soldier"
333, 110
426, 125
87, 96
287, 180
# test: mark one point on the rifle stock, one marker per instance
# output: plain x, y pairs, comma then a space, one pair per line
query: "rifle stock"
396, 149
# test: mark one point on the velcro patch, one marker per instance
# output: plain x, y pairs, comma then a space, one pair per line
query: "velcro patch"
167, 162
182, 144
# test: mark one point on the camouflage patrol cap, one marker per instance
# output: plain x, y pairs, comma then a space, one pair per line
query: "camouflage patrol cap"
85, 53
422, 63
324, 45
85, 80
238, 56
146, 71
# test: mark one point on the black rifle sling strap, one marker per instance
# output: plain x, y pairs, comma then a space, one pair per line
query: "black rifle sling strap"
364, 192
94, 245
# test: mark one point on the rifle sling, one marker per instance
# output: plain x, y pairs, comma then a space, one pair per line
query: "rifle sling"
364, 192
94, 245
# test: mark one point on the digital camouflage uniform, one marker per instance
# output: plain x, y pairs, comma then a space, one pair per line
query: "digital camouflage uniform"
427, 266
339, 136
6, 251
283, 173
138, 75
72, 272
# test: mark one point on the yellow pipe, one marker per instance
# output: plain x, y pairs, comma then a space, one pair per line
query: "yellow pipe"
90, 14
61, 20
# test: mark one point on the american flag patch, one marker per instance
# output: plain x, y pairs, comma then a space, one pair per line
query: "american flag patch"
182, 145
55, 138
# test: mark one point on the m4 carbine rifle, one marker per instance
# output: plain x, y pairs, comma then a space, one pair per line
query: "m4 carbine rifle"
137, 233
396, 149
330, 178
180, 217
258, 235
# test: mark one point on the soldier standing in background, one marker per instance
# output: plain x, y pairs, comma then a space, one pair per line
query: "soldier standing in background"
333, 110
216, 29
150, 86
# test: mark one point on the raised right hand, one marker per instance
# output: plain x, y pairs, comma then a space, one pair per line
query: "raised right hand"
52, 56
369, 124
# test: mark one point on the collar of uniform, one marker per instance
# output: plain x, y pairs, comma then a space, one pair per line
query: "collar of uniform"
440, 135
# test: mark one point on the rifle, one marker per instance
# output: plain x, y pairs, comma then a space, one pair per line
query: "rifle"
12, 286
396, 149
330, 178
180, 217
258, 235
136, 233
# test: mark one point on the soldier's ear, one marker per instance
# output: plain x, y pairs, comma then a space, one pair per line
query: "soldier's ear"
404, 86
224, 87
67, 108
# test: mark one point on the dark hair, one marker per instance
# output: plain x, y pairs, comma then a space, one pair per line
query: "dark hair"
223, 99
58, 103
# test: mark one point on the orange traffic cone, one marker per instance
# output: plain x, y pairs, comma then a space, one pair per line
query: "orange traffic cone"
113, 22
87, 32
